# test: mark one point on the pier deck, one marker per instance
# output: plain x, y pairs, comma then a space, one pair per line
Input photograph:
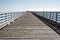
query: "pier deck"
28, 27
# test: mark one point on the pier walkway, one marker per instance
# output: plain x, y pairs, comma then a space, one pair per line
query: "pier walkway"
28, 27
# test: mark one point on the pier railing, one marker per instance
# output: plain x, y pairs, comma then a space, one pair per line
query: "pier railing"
51, 17
7, 18
55, 16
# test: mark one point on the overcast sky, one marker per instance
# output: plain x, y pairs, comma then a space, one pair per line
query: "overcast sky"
32, 5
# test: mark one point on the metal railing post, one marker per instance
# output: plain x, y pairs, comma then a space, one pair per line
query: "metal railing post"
50, 15
56, 17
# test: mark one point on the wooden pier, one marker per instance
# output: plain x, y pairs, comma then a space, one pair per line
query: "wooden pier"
28, 27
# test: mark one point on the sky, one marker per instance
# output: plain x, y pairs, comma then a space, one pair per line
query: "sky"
29, 5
